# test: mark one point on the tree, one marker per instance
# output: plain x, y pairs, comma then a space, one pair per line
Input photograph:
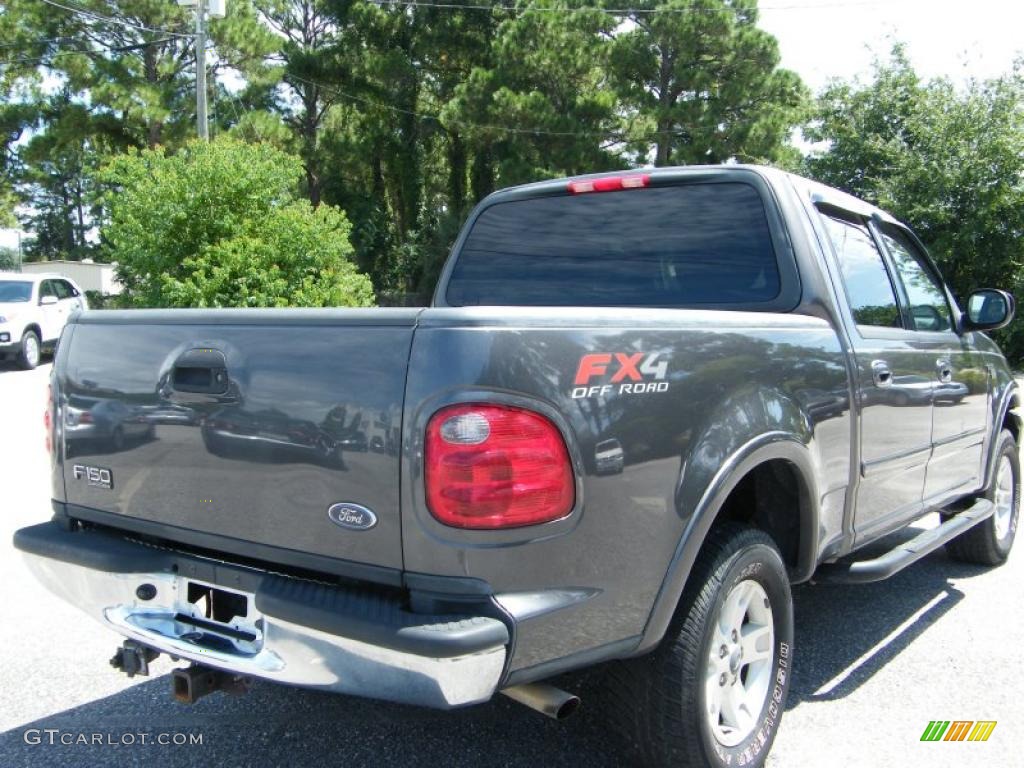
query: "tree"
93, 78
704, 81
948, 161
314, 38
222, 224
543, 107
403, 114
8, 258
55, 176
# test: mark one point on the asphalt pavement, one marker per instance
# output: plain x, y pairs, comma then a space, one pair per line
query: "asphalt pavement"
873, 665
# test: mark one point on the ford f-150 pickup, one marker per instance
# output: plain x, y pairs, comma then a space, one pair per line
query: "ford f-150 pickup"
640, 408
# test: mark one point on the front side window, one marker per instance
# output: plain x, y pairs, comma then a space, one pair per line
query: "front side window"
868, 287
62, 289
928, 305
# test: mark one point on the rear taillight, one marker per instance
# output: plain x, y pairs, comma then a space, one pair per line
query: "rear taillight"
48, 419
494, 466
610, 183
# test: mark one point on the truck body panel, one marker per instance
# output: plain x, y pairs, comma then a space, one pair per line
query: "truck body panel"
729, 378
310, 417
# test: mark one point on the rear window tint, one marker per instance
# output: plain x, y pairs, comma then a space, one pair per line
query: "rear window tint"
681, 246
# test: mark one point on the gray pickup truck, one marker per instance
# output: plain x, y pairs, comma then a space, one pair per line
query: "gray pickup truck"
641, 407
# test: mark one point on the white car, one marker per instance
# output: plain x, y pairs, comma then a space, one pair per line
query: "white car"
33, 312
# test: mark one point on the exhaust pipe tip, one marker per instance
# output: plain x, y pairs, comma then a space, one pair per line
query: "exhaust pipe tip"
547, 699
568, 707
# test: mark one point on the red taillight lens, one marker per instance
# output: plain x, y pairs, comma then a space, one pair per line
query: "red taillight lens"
610, 183
48, 419
493, 466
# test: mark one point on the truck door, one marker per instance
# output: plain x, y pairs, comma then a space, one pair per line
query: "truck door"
50, 318
960, 413
895, 381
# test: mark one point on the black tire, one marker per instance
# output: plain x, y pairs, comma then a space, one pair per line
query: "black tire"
117, 441
659, 700
989, 543
31, 351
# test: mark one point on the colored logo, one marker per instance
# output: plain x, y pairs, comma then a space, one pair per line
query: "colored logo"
958, 730
625, 374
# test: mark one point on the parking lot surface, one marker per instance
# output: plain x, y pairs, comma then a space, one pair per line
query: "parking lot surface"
873, 665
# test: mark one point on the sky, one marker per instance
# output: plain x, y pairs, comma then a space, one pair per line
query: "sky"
823, 39
959, 39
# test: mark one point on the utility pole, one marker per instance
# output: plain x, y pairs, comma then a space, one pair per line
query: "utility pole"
205, 9
201, 119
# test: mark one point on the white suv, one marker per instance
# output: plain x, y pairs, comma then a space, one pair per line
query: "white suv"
33, 312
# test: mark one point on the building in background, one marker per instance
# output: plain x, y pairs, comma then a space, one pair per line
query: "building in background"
90, 275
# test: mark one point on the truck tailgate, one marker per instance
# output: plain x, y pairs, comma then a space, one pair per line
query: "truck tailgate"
279, 428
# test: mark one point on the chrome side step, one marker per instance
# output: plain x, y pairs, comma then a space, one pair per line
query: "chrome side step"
895, 560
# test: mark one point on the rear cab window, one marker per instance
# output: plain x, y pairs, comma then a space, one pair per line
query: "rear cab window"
689, 245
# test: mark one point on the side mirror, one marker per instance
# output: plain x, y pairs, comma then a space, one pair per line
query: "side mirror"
47, 301
989, 309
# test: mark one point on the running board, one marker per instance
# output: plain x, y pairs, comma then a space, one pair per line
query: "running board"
894, 561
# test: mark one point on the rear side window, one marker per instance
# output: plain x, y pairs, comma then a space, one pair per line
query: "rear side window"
680, 246
868, 287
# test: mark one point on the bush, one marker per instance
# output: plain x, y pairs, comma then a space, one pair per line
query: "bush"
220, 224
100, 300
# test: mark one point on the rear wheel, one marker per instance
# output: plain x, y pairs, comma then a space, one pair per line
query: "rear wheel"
990, 542
31, 351
714, 691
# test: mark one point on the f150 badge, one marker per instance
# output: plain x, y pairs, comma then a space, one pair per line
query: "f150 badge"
631, 374
97, 477
352, 516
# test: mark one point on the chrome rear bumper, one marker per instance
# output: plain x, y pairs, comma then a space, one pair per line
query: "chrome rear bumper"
265, 645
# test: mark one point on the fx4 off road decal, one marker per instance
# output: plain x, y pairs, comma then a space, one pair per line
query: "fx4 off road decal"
623, 373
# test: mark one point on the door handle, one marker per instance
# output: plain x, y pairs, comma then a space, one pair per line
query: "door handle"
201, 371
944, 370
881, 373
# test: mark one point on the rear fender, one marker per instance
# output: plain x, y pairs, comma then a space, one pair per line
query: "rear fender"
775, 428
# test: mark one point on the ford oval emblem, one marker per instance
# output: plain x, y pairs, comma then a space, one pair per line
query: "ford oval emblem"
352, 516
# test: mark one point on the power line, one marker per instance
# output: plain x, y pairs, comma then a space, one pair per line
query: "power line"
115, 20
478, 126
44, 41
46, 57
538, 9
42, 58
498, 6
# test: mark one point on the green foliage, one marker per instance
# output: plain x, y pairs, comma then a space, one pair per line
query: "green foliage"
948, 161
402, 116
8, 258
99, 300
705, 84
220, 224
